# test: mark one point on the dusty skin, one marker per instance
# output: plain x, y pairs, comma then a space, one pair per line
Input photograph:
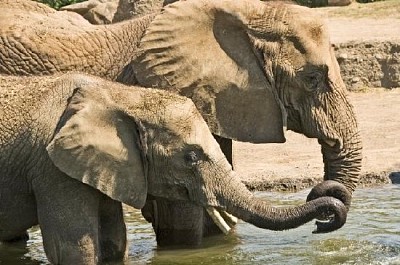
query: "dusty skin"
297, 164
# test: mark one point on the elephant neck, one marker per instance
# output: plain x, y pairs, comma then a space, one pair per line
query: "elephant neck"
122, 41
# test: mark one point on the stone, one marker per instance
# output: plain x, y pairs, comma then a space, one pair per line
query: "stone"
395, 177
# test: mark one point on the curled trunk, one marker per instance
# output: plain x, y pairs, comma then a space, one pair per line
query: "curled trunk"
238, 201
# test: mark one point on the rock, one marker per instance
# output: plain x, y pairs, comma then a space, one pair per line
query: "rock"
342, 56
95, 11
102, 14
379, 56
369, 64
112, 11
395, 177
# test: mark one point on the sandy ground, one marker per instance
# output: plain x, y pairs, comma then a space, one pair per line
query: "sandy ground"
297, 163
363, 29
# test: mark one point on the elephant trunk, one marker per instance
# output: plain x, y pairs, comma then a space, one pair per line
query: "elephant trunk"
239, 201
342, 163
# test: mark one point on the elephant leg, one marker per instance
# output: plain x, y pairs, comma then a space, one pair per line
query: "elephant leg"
226, 146
17, 213
68, 217
113, 240
175, 223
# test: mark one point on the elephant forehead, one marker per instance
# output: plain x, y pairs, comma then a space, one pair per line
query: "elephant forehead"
311, 35
166, 111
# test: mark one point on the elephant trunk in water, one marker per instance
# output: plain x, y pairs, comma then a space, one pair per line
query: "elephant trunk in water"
261, 214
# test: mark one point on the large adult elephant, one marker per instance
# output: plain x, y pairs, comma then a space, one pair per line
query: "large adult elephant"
253, 69
73, 152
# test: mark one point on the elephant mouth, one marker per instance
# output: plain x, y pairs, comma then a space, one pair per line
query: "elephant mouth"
222, 219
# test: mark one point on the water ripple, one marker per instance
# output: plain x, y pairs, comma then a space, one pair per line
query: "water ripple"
370, 236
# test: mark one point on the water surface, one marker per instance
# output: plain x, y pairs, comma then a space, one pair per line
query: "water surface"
370, 236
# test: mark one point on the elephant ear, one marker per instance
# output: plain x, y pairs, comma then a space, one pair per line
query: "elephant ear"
101, 146
201, 50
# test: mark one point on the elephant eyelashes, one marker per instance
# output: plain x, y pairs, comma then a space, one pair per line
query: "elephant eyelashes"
192, 157
314, 80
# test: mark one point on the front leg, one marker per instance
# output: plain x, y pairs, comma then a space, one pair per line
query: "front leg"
175, 223
113, 239
68, 217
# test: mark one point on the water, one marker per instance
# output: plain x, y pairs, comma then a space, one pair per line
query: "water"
370, 236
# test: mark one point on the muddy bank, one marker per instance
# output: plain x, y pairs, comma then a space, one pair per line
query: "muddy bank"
297, 184
367, 49
369, 64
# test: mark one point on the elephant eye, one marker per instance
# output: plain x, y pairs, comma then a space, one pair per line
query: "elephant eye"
192, 157
312, 82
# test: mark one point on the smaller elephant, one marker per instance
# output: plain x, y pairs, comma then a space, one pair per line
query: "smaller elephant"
73, 147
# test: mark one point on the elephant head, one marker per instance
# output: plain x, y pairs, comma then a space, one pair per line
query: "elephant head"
254, 69
130, 142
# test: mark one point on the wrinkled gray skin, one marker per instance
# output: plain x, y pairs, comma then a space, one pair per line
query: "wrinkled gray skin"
55, 42
38, 40
73, 147
252, 69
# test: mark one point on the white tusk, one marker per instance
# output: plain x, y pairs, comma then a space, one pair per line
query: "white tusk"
218, 220
331, 143
229, 218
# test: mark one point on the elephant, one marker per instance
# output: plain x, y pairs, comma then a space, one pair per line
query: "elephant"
253, 69
71, 154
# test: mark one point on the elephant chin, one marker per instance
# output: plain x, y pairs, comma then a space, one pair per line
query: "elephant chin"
222, 219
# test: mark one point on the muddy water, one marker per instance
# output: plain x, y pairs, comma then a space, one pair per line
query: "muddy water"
370, 236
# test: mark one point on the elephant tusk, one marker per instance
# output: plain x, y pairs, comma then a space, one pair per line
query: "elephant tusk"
218, 220
331, 143
229, 218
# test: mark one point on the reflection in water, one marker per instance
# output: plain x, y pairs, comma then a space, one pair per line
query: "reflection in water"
370, 236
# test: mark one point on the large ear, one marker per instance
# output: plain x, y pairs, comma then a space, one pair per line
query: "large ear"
101, 146
201, 49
